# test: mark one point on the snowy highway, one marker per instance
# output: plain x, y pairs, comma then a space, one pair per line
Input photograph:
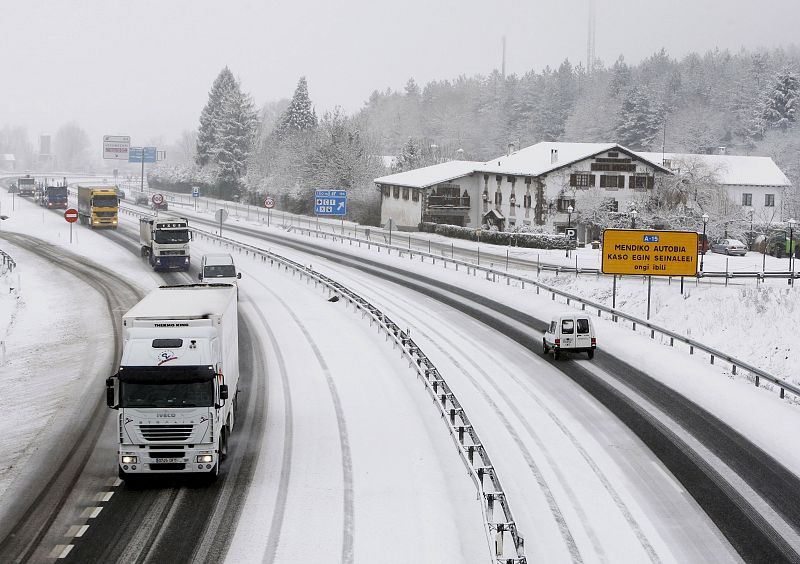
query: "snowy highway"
339, 458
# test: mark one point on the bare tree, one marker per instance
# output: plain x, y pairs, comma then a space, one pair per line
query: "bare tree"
71, 144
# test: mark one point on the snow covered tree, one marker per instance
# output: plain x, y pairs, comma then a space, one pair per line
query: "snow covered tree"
299, 116
781, 104
70, 144
235, 139
639, 120
409, 157
209, 118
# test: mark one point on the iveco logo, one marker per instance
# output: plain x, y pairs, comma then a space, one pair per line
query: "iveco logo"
165, 415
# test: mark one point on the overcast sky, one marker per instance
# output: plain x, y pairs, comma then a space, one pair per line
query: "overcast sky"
143, 68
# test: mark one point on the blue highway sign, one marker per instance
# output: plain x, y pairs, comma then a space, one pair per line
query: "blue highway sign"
135, 154
330, 202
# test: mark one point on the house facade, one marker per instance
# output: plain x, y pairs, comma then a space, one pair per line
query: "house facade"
756, 184
536, 186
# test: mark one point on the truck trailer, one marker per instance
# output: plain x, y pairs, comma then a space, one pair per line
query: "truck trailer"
177, 382
165, 241
98, 206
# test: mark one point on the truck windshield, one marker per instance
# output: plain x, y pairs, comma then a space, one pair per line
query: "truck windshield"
166, 394
57, 191
219, 271
172, 236
105, 201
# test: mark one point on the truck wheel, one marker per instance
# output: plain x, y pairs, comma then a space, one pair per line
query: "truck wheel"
223, 444
556, 354
591, 354
544, 347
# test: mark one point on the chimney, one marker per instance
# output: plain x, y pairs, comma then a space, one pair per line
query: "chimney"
553, 156
510, 148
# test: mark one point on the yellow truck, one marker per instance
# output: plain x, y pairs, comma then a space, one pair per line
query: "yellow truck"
98, 206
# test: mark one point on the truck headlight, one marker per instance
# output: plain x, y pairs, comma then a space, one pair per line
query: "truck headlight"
129, 459
205, 458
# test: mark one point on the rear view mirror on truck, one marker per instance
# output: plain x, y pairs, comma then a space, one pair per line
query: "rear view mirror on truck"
110, 399
223, 392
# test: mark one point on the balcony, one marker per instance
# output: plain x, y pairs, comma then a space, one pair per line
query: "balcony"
447, 202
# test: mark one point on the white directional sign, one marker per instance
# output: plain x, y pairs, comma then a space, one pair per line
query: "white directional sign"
116, 146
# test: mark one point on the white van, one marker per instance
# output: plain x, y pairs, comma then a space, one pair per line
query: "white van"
570, 332
218, 269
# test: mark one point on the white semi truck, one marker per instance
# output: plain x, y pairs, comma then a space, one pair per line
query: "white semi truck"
165, 241
177, 382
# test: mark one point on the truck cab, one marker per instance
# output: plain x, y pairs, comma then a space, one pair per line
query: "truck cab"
165, 242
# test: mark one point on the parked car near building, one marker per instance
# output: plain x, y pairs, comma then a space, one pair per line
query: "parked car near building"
729, 247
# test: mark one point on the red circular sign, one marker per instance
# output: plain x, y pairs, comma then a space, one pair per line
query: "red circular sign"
269, 203
71, 215
158, 199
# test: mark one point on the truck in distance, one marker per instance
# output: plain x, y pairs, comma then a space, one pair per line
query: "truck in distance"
27, 186
165, 241
98, 206
54, 197
177, 382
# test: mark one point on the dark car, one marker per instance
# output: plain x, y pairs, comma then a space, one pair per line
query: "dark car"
142, 200
729, 247
162, 206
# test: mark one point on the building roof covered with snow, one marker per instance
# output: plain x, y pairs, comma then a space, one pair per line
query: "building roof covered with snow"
731, 170
548, 156
430, 175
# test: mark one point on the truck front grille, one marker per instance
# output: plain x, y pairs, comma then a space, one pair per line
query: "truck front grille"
105, 214
177, 253
171, 433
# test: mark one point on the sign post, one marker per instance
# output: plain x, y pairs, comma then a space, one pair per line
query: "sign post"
71, 215
195, 195
648, 253
142, 155
269, 203
221, 216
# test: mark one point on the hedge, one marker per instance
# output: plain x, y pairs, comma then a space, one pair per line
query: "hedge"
529, 240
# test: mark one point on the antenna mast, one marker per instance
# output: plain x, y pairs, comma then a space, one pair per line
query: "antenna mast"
590, 39
503, 68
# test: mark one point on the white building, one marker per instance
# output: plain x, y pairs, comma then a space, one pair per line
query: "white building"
536, 186
754, 183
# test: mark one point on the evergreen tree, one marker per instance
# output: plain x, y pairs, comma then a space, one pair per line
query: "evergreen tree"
299, 116
409, 157
639, 120
780, 105
411, 88
209, 118
237, 126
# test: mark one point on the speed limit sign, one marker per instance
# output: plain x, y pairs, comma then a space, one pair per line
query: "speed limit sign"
269, 203
158, 199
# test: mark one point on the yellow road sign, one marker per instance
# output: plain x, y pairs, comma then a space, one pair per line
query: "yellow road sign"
649, 253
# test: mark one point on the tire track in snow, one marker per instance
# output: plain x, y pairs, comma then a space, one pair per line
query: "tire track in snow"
348, 530
286, 464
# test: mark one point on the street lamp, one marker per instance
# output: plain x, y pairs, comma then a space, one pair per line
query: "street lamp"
634, 213
569, 225
791, 251
703, 241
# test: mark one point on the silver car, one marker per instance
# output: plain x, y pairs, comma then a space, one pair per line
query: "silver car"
729, 247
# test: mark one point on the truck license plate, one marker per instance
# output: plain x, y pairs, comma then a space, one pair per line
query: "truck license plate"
168, 460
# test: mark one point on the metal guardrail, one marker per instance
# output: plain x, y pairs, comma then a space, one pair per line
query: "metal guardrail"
499, 523
614, 314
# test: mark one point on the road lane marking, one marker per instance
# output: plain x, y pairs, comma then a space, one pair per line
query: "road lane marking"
103, 496
91, 512
61, 550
